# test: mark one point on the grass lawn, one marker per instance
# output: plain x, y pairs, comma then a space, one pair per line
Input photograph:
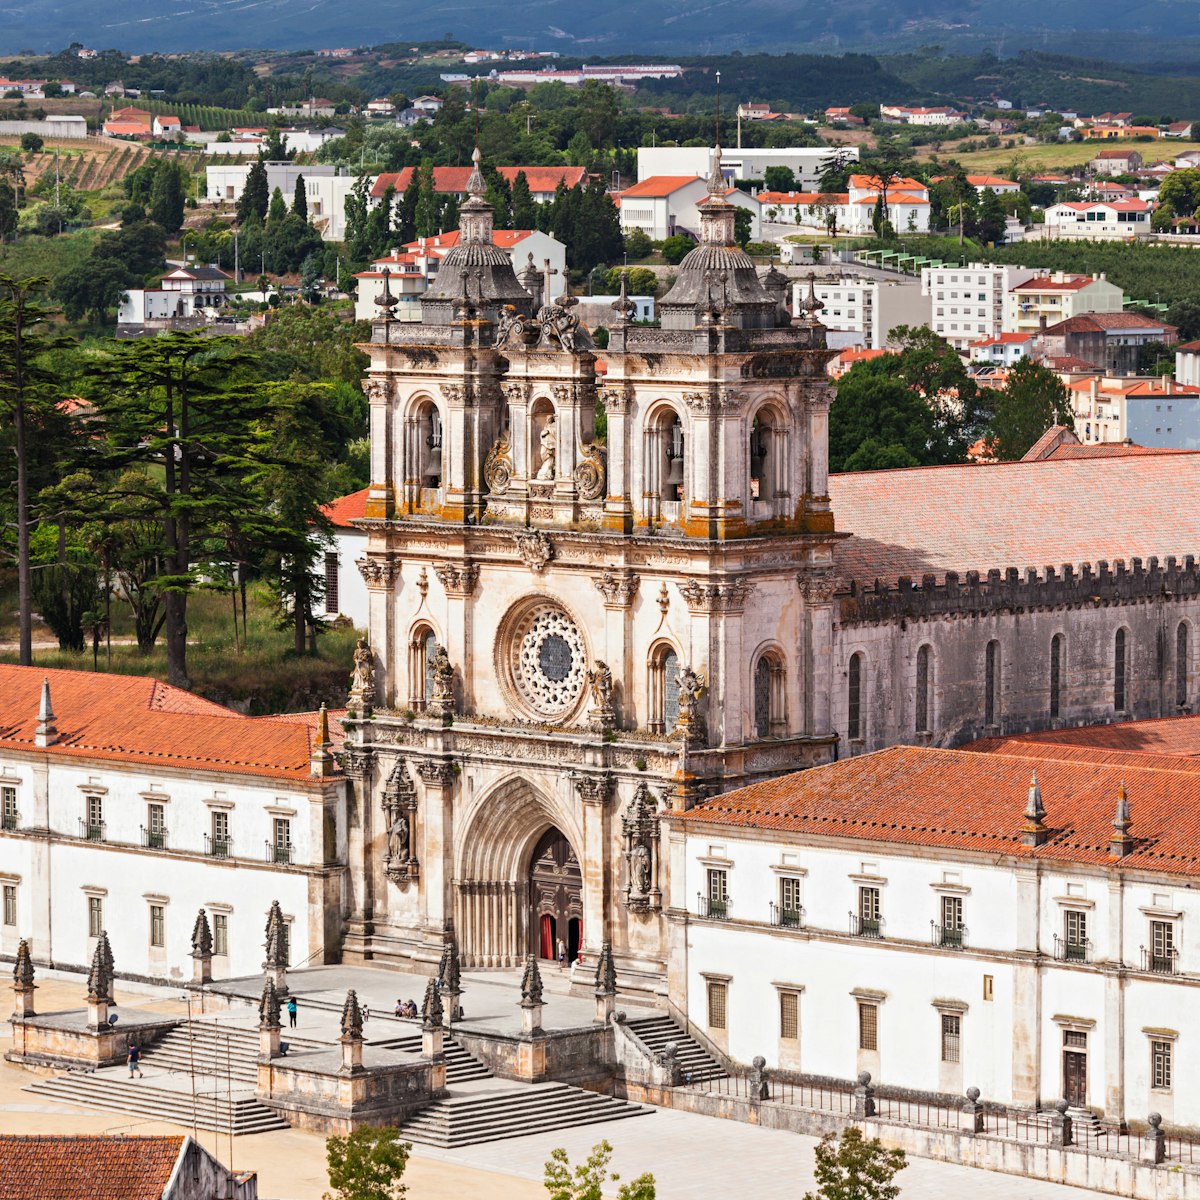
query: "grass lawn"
1050, 157
263, 675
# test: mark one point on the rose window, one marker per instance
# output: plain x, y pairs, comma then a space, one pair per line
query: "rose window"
549, 661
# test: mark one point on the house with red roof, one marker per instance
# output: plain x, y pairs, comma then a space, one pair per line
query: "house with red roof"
129, 122
128, 805
452, 181
167, 126
345, 589
1111, 341
1048, 299
1125, 219
1159, 414
1002, 349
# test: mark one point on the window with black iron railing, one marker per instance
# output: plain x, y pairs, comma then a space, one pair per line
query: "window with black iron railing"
217, 847
787, 918
10, 819
154, 838
866, 927
92, 831
952, 937
1160, 961
279, 852
1073, 951
713, 908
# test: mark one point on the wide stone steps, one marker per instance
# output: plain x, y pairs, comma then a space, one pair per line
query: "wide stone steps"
460, 1065
141, 1098
494, 1116
212, 1049
698, 1065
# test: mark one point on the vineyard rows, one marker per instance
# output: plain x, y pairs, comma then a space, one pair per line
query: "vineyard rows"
88, 170
205, 117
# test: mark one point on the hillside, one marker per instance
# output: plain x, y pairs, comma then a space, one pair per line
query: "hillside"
610, 26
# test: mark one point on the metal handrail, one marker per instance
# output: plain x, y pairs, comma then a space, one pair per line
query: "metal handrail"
787, 918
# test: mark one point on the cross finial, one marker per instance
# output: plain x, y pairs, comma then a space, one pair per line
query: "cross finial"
476, 185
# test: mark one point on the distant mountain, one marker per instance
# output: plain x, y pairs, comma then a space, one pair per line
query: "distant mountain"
1107, 28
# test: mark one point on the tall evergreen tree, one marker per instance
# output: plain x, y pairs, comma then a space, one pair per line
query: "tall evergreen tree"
524, 207
256, 195
300, 199
166, 197
406, 216
8, 210
278, 209
1031, 401
426, 220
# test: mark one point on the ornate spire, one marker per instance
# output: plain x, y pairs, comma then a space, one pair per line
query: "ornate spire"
321, 762
475, 215
1034, 831
352, 1021
268, 1007
531, 983
476, 184
432, 1011
385, 301
606, 972
46, 733
23, 967
202, 942
100, 976
449, 972
1121, 842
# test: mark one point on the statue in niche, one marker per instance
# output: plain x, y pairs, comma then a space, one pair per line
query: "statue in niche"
398, 837
548, 440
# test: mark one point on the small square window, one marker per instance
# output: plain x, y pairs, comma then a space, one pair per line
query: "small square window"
789, 1016
951, 1038
868, 1026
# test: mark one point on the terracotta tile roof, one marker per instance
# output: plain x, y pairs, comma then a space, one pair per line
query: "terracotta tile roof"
967, 801
1111, 450
660, 185
346, 508
1046, 283
134, 718
87, 1167
1096, 322
1189, 347
1160, 736
454, 179
990, 181
1023, 514
504, 238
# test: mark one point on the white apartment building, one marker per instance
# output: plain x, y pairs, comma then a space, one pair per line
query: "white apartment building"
665, 205
226, 182
805, 162
968, 303
1100, 220
1041, 300
1017, 921
861, 312
127, 805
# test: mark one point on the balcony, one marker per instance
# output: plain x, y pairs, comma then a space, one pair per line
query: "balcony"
787, 918
866, 927
280, 854
951, 937
218, 847
91, 831
1160, 962
1072, 952
154, 839
10, 820
713, 910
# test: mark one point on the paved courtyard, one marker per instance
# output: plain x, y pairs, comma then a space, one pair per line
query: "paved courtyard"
691, 1156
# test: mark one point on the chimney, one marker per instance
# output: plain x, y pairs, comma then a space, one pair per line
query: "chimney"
1034, 831
1121, 844
46, 733
321, 763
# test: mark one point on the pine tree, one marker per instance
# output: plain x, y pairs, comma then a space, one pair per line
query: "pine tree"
426, 220
524, 207
406, 217
256, 195
278, 209
8, 210
300, 199
166, 197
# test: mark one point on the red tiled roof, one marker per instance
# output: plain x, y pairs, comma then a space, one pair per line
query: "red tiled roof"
87, 1167
346, 508
1162, 735
1097, 322
135, 718
1044, 283
1023, 514
660, 185
454, 179
968, 801
504, 238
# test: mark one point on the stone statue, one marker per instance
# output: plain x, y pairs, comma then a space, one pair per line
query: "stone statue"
692, 685
600, 681
640, 827
441, 703
559, 324
548, 440
398, 837
639, 869
362, 680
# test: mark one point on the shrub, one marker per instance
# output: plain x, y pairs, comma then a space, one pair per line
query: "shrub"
676, 248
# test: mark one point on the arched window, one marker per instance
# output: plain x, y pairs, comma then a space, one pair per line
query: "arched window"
664, 690
923, 682
855, 722
1181, 665
769, 696
421, 648
1056, 666
1120, 671
665, 461
991, 683
427, 446
768, 449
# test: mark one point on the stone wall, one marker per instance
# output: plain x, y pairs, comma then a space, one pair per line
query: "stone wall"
63, 1040
580, 1057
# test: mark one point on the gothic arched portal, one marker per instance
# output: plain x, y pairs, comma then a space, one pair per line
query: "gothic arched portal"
556, 898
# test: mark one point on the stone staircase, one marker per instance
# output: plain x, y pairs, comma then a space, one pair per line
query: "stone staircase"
493, 1112
461, 1067
698, 1065
217, 1108
217, 1050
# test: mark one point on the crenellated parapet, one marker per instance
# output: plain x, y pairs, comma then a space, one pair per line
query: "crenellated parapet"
1015, 591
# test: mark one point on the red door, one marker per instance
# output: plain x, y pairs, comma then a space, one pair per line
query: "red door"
547, 939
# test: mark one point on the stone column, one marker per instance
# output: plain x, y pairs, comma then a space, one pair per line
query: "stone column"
450, 975
973, 1114
352, 1036
99, 995
1060, 1125
531, 998
437, 832
816, 587
594, 791
1026, 1049
202, 950
1154, 1143
23, 985
358, 757
433, 1046
275, 963
1114, 1006
269, 1023
864, 1096
606, 985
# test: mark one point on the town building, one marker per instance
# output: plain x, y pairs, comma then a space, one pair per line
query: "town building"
345, 588
1125, 219
225, 183
853, 211
842, 116
1187, 364
1115, 162
861, 311
969, 302
904, 114
128, 122
805, 162
665, 205
1003, 349
186, 298
1112, 341
1155, 413
1018, 921
128, 805
1047, 299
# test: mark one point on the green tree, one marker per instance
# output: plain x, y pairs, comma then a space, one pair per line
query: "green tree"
256, 196
779, 179
426, 217
587, 1180
1180, 192
277, 210
1031, 401
742, 225
638, 243
31, 143
28, 391
367, 1164
676, 248
166, 197
65, 581
300, 199
990, 226
524, 207
8, 210
853, 1167
406, 212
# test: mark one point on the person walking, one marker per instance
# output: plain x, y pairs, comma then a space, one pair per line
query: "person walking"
562, 954
134, 1059
292, 1006
366, 1013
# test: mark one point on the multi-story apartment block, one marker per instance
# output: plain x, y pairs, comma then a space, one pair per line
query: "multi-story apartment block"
968, 302
862, 312
1041, 300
